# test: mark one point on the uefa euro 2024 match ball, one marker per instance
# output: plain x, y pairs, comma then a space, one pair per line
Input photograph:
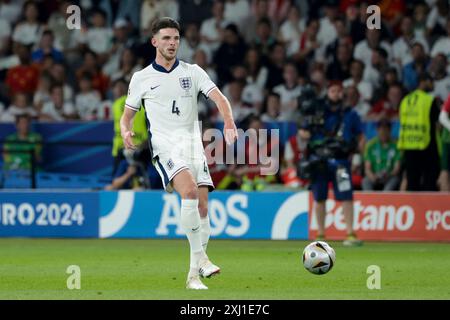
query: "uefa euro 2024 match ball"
318, 257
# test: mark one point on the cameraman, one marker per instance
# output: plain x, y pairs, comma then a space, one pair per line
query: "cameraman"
336, 133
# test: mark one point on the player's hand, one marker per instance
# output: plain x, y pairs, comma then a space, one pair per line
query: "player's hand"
128, 140
230, 132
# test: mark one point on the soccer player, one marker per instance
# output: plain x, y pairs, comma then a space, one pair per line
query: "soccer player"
168, 89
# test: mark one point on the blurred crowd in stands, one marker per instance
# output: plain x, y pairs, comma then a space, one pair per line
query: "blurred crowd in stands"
261, 53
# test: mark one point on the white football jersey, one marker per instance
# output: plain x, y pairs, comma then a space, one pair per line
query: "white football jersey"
170, 102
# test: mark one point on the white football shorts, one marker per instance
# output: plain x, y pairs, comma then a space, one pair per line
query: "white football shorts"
169, 165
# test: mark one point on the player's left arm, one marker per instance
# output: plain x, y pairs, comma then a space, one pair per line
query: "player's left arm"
222, 103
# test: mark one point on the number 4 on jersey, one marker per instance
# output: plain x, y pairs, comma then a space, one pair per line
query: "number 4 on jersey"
175, 109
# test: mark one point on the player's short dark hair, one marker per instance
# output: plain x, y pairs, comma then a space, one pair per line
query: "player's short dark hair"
163, 23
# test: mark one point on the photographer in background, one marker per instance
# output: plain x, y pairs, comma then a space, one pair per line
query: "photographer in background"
335, 134
132, 172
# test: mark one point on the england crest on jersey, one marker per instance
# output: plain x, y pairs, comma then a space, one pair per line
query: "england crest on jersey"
186, 83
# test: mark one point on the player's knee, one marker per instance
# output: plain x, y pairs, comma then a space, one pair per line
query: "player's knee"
190, 192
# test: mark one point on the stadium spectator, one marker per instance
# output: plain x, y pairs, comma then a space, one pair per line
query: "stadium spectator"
356, 79
87, 100
238, 12
389, 77
418, 116
342, 38
339, 69
152, 9
290, 89
127, 66
402, 47
294, 151
59, 76
419, 15
122, 40
373, 73
291, 29
356, 16
98, 36
90, 65
201, 58
412, 70
190, 43
240, 110
42, 94
250, 176
264, 38
252, 94
212, 29
444, 119
327, 31
57, 23
28, 30
275, 65
442, 45
230, 53
352, 99
388, 107
5, 34
392, 12
115, 10
193, 11
363, 49
382, 160
10, 10
22, 147
278, 10
57, 109
46, 47
319, 81
273, 109
24, 77
257, 72
20, 106
437, 18
309, 48
441, 78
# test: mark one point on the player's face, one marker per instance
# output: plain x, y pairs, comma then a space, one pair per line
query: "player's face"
167, 42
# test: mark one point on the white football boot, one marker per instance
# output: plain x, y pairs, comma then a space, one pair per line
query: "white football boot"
194, 282
207, 269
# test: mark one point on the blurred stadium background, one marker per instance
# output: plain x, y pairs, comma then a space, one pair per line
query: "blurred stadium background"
63, 173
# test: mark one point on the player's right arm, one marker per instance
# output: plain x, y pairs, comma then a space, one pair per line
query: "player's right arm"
132, 105
126, 126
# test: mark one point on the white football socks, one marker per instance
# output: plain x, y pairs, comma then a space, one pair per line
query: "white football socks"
205, 231
190, 222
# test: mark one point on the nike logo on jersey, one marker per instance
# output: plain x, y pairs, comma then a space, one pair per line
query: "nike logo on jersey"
153, 88
195, 229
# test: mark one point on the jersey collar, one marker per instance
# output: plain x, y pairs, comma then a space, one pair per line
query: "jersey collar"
160, 68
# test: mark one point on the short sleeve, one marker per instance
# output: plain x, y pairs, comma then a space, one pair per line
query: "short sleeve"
134, 97
204, 83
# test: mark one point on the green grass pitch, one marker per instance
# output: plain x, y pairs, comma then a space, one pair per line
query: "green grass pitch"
156, 269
